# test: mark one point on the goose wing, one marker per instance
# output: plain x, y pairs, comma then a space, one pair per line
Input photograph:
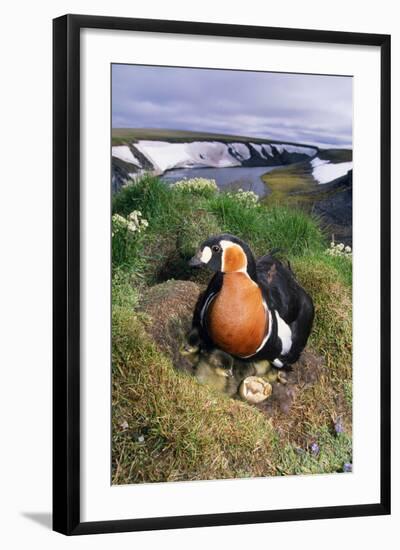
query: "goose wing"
279, 287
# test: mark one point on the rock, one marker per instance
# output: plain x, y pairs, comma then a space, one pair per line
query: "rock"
336, 210
120, 173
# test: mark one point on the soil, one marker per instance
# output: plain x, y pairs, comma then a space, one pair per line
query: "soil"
305, 373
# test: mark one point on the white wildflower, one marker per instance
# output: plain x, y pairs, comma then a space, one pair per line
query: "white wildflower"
134, 216
119, 220
134, 223
133, 227
196, 185
248, 199
339, 249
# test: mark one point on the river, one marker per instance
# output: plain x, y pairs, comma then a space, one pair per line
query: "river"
247, 178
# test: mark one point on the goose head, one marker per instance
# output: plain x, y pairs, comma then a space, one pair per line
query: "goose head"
227, 254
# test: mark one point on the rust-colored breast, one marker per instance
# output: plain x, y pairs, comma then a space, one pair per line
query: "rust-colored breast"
236, 319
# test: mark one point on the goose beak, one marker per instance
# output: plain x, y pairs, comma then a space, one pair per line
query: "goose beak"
196, 261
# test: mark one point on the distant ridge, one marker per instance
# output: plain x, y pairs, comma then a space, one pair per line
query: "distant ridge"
135, 150
121, 135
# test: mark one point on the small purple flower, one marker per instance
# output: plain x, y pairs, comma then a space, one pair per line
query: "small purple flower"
347, 467
314, 448
339, 427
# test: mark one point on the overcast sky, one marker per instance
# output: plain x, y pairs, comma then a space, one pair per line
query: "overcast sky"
303, 108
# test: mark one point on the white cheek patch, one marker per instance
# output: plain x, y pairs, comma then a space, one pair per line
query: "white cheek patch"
206, 255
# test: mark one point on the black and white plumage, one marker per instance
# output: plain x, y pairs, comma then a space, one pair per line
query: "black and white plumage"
253, 310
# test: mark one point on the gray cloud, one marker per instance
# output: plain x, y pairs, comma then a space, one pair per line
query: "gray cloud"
313, 109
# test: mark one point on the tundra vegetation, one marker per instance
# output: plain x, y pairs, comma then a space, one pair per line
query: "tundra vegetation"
168, 427
121, 136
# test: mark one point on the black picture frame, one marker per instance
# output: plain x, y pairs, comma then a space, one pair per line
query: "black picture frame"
66, 273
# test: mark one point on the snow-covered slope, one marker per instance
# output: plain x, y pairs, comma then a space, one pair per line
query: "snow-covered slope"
300, 149
164, 155
159, 156
123, 152
325, 171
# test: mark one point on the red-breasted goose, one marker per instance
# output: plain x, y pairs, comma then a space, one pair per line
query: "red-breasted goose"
251, 309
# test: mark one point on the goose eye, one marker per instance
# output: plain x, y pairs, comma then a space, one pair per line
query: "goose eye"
215, 248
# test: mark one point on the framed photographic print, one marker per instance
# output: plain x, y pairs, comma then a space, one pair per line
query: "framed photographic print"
221, 274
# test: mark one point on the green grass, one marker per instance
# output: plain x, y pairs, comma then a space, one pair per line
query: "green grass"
264, 228
336, 155
166, 427
334, 451
332, 339
288, 179
149, 195
270, 227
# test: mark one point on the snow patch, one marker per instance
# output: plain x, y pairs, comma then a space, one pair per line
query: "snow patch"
309, 151
324, 171
165, 155
241, 150
268, 149
124, 153
318, 162
261, 147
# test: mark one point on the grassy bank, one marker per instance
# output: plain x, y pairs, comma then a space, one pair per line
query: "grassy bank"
294, 184
168, 427
287, 180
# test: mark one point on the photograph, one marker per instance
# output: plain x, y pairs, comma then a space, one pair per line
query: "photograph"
231, 205
198, 316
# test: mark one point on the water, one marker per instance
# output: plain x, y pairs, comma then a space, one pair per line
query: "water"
247, 178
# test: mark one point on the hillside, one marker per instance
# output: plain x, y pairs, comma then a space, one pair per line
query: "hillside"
318, 180
167, 426
137, 150
322, 185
